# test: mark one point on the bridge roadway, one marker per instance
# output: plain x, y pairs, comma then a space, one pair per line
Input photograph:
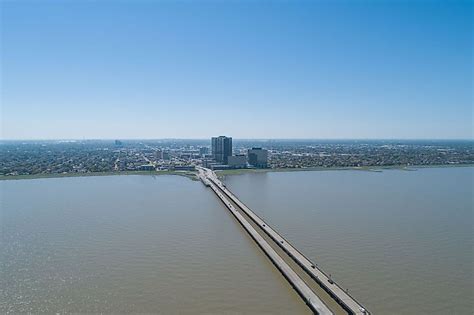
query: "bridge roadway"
331, 292
311, 299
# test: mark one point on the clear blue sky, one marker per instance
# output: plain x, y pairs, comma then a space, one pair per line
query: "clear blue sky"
248, 69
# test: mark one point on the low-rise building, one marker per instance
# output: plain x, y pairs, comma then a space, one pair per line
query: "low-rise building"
237, 161
147, 167
258, 157
217, 167
207, 162
184, 168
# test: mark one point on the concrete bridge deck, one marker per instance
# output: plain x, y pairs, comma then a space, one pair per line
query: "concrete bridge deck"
311, 299
347, 302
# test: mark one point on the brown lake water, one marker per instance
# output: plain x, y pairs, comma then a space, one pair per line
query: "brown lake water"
400, 241
130, 244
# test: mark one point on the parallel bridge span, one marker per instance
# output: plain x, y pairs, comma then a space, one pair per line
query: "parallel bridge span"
342, 297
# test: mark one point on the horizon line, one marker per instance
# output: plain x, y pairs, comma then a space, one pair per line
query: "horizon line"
234, 138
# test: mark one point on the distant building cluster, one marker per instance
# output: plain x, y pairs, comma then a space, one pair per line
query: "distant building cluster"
223, 157
90, 156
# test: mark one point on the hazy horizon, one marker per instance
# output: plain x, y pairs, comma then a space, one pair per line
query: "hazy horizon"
243, 139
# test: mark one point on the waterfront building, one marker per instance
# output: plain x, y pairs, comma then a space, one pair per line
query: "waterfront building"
219, 167
258, 157
206, 162
146, 167
237, 161
184, 168
221, 148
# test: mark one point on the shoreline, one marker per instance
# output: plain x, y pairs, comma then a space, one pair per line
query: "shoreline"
187, 174
192, 175
410, 168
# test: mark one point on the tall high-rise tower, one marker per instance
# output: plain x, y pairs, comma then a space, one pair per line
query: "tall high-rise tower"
221, 148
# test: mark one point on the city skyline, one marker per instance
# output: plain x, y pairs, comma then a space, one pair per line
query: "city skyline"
238, 139
322, 70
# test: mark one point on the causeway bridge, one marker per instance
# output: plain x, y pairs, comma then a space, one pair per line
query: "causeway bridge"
320, 293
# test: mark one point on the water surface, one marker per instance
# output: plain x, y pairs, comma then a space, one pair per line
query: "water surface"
123, 244
400, 241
